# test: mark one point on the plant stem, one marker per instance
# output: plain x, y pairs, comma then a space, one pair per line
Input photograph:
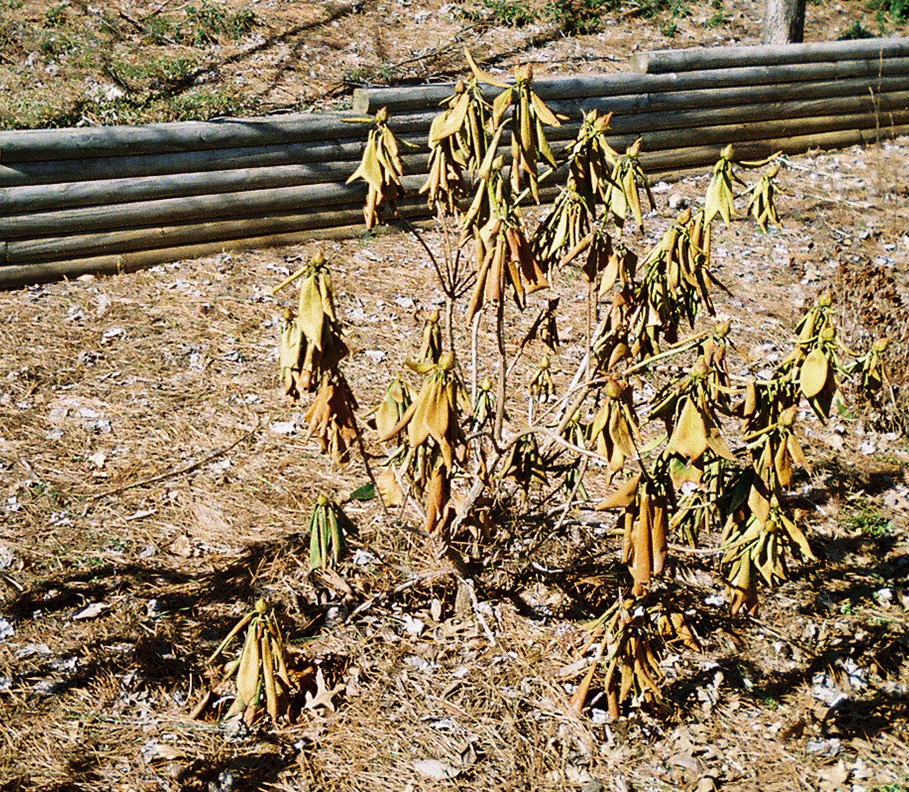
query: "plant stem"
474, 331
503, 364
673, 350
570, 499
590, 309
372, 479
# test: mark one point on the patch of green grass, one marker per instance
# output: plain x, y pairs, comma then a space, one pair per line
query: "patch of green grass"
652, 8
155, 70
207, 21
208, 103
849, 607
387, 72
717, 18
856, 31
357, 75
578, 16
511, 13
57, 43
865, 519
56, 15
897, 10
161, 30
677, 11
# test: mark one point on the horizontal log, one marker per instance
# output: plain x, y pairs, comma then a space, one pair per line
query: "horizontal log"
84, 142
741, 133
16, 277
694, 157
420, 98
132, 240
719, 133
180, 210
81, 245
655, 162
700, 58
654, 112
699, 118
729, 99
45, 197
104, 168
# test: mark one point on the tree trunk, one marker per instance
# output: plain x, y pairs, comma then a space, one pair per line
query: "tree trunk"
784, 22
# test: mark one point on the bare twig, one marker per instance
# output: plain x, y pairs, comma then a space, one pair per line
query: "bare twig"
170, 474
408, 584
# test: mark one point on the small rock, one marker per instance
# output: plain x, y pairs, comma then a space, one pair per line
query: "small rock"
831, 747
678, 202
111, 333
90, 611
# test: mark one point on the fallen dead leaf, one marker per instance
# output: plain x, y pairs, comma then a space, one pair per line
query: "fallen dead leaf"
324, 696
433, 768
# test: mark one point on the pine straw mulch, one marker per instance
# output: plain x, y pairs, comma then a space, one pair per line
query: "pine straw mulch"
154, 483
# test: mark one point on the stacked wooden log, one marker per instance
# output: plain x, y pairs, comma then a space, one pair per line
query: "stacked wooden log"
119, 198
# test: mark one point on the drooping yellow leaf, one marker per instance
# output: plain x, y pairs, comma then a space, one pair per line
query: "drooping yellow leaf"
689, 437
449, 122
291, 340
248, 672
782, 463
499, 105
620, 434
386, 416
389, 490
798, 538
369, 169
310, 315
630, 188
814, 373
623, 497
437, 414
795, 449
543, 112
483, 76
543, 145
328, 304
268, 679
759, 504
418, 429
717, 444
750, 404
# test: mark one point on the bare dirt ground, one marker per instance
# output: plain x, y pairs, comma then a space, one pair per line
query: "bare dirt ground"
154, 481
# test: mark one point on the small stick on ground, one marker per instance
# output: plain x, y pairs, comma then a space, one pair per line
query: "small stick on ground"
170, 474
